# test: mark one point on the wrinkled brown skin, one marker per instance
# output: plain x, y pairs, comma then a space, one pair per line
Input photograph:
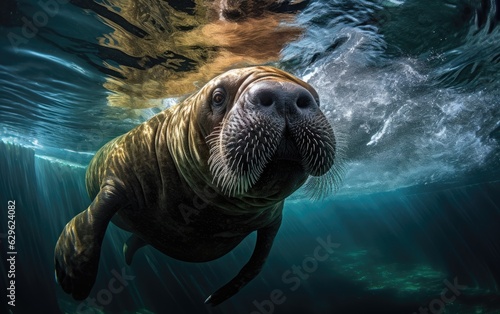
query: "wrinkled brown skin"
154, 181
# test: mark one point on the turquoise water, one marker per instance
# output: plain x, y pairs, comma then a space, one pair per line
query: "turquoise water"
412, 86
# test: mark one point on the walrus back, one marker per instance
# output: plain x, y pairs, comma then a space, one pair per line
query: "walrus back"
133, 154
95, 170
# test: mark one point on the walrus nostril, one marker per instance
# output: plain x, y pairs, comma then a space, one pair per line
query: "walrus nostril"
266, 98
304, 101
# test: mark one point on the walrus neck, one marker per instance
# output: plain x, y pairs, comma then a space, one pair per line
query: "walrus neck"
185, 143
188, 148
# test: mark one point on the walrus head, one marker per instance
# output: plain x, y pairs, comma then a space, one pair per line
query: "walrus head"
265, 132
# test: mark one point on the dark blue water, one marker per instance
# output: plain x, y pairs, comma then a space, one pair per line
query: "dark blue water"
412, 86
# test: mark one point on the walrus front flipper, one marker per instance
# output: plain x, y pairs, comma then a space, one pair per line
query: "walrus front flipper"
78, 249
265, 239
131, 246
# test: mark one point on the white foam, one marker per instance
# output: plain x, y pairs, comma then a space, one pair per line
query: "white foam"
402, 131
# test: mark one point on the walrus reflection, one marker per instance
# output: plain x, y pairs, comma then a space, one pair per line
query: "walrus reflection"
166, 50
237, 148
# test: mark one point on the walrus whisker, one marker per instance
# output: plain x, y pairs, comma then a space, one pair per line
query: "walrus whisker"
238, 158
314, 139
320, 187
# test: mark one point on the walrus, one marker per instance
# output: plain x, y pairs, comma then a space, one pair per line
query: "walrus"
197, 178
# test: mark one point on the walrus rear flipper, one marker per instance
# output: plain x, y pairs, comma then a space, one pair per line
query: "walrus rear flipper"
78, 249
131, 246
265, 239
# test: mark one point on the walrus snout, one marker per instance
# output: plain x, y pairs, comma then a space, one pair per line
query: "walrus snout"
283, 98
286, 102
306, 130
273, 119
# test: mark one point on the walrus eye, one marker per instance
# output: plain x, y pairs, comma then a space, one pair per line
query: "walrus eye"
218, 97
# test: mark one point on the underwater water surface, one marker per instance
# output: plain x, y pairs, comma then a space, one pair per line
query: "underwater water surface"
412, 87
